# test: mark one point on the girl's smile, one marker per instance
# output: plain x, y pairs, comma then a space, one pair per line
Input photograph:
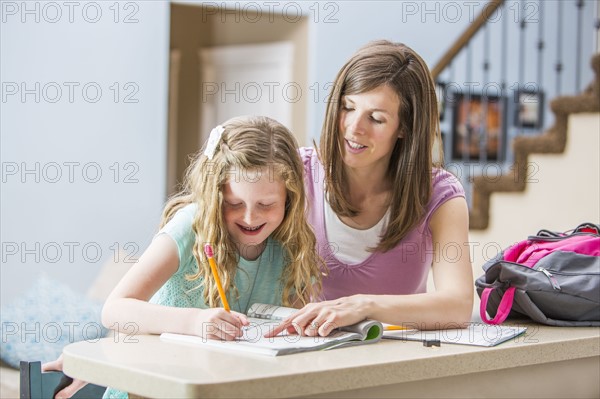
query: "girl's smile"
251, 231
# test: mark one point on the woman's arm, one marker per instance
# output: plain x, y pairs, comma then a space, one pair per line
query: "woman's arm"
128, 304
451, 302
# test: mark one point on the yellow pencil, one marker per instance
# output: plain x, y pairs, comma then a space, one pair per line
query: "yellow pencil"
393, 328
213, 267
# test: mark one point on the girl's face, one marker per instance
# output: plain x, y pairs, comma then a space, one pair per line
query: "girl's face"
253, 207
369, 125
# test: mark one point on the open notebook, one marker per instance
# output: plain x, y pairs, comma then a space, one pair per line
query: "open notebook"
263, 318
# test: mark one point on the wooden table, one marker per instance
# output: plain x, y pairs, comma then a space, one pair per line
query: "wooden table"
546, 362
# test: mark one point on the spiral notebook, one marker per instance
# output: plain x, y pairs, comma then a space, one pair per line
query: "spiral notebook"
477, 334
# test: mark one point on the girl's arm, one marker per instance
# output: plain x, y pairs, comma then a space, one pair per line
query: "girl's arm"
451, 302
128, 304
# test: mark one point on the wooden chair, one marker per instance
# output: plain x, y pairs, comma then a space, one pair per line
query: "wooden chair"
38, 385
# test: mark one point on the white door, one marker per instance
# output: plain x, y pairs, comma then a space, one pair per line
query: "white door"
246, 80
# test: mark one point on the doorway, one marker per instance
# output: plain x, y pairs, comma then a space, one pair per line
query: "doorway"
225, 64
251, 79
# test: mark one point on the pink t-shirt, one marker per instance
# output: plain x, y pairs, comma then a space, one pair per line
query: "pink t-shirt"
401, 270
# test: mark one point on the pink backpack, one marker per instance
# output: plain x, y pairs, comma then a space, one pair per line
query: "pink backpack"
552, 278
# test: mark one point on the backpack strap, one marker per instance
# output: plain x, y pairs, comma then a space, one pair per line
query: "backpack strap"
548, 233
503, 309
588, 228
585, 228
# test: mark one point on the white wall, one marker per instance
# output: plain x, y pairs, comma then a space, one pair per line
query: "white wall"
49, 215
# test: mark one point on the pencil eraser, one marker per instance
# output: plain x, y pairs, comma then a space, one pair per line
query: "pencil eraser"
432, 342
208, 250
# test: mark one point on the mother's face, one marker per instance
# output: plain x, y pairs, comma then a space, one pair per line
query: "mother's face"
369, 124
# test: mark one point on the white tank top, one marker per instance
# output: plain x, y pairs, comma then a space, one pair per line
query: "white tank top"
343, 238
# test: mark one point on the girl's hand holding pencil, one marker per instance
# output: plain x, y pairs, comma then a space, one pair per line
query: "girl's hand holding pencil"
217, 323
220, 323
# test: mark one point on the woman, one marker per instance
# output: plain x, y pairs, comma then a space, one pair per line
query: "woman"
383, 212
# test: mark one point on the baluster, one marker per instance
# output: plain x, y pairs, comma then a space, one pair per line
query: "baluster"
579, 25
466, 155
503, 79
483, 129
559, 65
540, 47
522, 25
449, 103
596, 27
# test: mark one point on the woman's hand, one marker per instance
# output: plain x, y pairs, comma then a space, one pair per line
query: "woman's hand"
323, 317
217, 323
69, 390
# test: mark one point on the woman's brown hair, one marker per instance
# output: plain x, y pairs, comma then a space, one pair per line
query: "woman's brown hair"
397, 66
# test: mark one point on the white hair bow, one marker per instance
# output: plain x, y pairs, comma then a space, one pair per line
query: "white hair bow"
213, 141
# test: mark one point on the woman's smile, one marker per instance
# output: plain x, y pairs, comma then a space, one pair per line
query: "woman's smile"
354, 147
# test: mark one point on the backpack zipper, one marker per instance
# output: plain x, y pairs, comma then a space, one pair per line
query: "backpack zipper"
552, 279
560, 238
572, 274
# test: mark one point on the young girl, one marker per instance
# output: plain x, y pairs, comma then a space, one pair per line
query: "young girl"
385, 214
244, 194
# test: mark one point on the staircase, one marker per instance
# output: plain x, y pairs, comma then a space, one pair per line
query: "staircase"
575, 125
551, 178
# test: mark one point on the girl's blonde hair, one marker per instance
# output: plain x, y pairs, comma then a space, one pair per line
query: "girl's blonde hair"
397, 66
249, 143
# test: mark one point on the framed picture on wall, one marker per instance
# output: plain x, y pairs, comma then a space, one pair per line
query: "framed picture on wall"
478, 130
440, 93
529, 107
